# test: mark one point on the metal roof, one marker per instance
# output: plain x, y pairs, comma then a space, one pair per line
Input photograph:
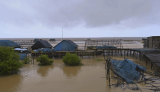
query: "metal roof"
9, 43
45, 43
41, 44
69, 41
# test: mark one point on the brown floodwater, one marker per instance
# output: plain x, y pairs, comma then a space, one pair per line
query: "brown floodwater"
90, 77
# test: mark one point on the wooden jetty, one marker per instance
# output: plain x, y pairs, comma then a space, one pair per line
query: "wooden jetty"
104, 52
60, 54
149, 55
152, 55
155, 58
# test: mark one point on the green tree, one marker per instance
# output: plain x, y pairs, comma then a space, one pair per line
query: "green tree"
71, 59
44, 60
9, 61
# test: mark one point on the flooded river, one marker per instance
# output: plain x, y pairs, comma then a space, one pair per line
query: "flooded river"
90, 77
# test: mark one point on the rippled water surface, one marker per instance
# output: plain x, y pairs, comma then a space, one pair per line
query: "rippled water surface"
90, 77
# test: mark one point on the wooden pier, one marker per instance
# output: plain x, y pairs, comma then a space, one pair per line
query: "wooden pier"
155, 58
149, 55
59, 54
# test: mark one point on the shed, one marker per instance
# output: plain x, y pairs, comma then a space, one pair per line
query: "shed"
35, 40
66, 45
8, 43
22, 53
153, 42
41, 44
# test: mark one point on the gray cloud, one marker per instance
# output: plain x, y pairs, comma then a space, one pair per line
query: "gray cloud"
90, 13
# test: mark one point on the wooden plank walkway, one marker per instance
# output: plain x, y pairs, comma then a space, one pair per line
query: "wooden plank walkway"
150, 55
155, 58
60, 54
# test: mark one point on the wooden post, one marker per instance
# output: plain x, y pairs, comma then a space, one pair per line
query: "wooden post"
121, 52
35, 54
96, 52
88, 54
140, 56
137, 54
109, 80
151, 64
103, 54
146, 61
33, 59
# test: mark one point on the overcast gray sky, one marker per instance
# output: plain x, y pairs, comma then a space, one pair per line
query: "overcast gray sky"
79, 18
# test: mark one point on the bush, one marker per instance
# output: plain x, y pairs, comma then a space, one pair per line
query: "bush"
27, 60
71, 59
44, 60
9, 61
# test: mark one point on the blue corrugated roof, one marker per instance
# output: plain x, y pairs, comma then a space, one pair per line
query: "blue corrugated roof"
69, 41
9, 43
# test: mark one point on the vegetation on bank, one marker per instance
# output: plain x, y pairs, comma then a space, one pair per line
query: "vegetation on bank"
9, 61
44, 60
71, 60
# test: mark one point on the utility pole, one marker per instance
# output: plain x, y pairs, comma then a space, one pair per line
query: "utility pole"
62, 38
62, 33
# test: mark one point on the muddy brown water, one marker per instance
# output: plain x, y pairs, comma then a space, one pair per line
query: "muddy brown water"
90, 77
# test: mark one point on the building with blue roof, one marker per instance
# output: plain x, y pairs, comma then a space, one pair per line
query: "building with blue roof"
66, 45
8, 43
16, 46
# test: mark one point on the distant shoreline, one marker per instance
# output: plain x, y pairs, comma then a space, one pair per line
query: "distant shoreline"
85, 38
